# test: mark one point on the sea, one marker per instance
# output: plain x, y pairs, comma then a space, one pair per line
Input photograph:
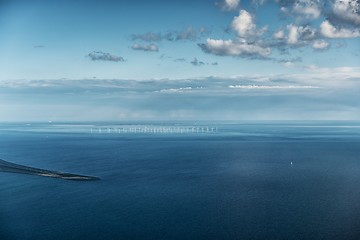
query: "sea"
183, 180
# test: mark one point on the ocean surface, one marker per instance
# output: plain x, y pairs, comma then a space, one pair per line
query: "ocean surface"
261, 180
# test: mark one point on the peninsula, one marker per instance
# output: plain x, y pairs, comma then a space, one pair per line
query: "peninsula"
16, 168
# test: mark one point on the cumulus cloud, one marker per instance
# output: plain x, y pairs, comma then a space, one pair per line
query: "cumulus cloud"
342, 21
346, 11
320, 45
294, 36
299, 34
246, 44
244, 25
229, 5
330, 31
279, 35
146, 48
234, 48
310, 9
302, 9
102, 56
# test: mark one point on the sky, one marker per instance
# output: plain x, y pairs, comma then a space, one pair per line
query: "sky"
179, 60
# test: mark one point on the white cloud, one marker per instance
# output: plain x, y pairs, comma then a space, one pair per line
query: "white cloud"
229, 5
301, 9
244, 25
146, 48
330, 31
279, 34
299, 34
347, 10
271, 87
320, 44
234, 48
307, 8
247, 43
175, 90
293, 36
284, 10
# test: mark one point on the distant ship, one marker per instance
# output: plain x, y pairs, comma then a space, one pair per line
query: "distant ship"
16, 168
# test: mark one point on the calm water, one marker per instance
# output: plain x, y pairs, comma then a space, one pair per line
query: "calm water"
236, 183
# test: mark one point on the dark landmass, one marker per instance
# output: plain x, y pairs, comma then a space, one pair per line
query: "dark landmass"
16, 168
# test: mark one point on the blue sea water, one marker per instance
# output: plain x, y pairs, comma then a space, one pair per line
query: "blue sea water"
264, 180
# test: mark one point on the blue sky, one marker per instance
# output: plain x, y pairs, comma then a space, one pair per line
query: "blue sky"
226, 59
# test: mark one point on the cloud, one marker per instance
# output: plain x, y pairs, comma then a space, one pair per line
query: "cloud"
258, 2
317, 93
246, 44
320, 45
301, 9
39, 46
147, 37
294, 36
196, 62
298, 35
280, 34
307, 8
146, 48
271, 87
180, 60
188, 34
229, 5
101, 56
290, 62
244, 25
234, 48
311, 75
330, 31
203, 30
175, 90
346, 11
342, 16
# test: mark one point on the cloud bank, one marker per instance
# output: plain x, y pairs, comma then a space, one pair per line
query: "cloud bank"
317, 93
